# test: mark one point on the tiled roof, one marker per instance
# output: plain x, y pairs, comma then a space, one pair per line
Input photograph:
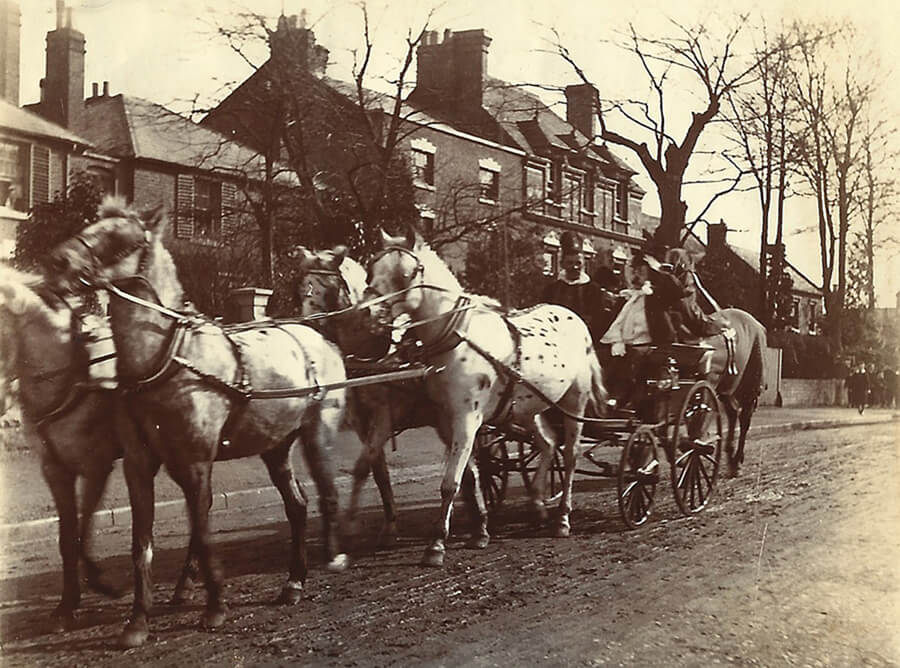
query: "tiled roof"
29, 123
128, 126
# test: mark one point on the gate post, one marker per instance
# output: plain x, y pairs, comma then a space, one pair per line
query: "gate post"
246, 304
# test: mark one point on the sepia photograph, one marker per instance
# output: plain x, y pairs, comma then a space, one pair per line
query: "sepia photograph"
453, 333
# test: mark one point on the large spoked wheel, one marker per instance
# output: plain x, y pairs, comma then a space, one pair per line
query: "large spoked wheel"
638, 476
529, 458
696, 448
492, 458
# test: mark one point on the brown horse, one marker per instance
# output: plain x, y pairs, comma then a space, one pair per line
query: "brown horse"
200, 392
68, 421
738, 371
329, 282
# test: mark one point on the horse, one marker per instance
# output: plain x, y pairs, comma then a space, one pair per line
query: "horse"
497, 368
737, 367
192, 388
331, 283
68, 421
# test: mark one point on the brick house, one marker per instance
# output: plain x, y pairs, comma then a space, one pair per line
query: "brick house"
478, 149
732, 275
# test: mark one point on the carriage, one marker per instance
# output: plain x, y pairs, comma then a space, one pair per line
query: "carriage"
675, 411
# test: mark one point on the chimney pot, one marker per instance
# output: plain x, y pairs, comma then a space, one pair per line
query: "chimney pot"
60, 10
447, 33
68, 17
105, 89
94, 87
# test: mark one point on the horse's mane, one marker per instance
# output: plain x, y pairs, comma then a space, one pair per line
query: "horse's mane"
11, 276
443, 276
115, 206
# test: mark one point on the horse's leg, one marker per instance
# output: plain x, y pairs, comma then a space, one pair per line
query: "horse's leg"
544, 440
474, 497
732, 412
372, 459
278, 462
62, 486
745, 415
316, 437
572, 430
195, 480
462, 435
92, 492
140, 466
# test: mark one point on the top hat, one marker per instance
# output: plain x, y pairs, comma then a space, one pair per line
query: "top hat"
569, 243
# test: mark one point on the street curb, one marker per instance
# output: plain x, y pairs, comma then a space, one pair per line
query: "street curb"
259, 497
237, 500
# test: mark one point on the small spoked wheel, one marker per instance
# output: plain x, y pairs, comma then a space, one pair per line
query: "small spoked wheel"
638, 475
492, 458
529, 458
696, 448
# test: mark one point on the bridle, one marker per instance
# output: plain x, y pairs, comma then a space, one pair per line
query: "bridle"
418, 271
316, 280
97, 262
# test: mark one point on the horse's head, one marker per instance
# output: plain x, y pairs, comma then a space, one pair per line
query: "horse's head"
327, 279
681, 261
17, 304
393, 272
115, 246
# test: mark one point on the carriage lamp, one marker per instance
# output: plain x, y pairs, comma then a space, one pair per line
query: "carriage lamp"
667, 377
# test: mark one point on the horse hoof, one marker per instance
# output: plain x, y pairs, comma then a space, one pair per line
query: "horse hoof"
339, 564
563, 531
105, 589
478, 542
433, 558
212, 619
387, 541
133, 636
291, 594
181, 597
539, 514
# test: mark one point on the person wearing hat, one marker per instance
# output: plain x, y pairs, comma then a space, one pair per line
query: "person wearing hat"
573, 288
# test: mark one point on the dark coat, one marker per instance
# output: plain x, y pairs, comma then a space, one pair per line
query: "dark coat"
672, 311
588, 300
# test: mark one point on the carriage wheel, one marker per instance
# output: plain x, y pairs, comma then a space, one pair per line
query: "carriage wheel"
528, 464
638, 475
696, 448
492, 458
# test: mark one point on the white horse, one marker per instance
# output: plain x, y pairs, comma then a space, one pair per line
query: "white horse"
497, 368
201, 392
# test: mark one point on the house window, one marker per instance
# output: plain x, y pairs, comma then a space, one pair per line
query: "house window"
104, 179
587, 192
14, 175
488, 180
811, 325
535, 187
622, 200
571, 196
552, 193
207, 209
794, 319
550, 254
423, 162
426, 222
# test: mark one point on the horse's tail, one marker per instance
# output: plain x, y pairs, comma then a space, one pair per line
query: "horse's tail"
598, 394
751, 385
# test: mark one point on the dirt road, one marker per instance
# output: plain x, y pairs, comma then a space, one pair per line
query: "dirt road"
797, 562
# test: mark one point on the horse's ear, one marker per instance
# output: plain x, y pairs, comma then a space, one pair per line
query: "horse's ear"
13, 298
387, 240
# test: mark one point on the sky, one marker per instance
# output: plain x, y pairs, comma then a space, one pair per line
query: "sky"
169, 51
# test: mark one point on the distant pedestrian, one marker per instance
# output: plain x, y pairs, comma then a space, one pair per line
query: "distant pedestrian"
889, 377
858, 388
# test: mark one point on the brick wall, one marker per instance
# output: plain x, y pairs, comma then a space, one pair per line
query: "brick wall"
813, 392
152, 188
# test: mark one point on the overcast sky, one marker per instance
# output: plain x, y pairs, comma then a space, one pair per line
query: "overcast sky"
168, 51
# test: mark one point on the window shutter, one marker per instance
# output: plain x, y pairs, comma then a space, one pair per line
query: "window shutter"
184, 206
229, 208
40, 174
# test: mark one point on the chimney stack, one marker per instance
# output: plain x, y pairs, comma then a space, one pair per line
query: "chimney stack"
451, 73
581, 108
715, 235
105, 89
94, 88
62, 98
10, 29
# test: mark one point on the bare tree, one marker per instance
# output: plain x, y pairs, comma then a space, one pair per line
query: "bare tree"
833, 100
701, 60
